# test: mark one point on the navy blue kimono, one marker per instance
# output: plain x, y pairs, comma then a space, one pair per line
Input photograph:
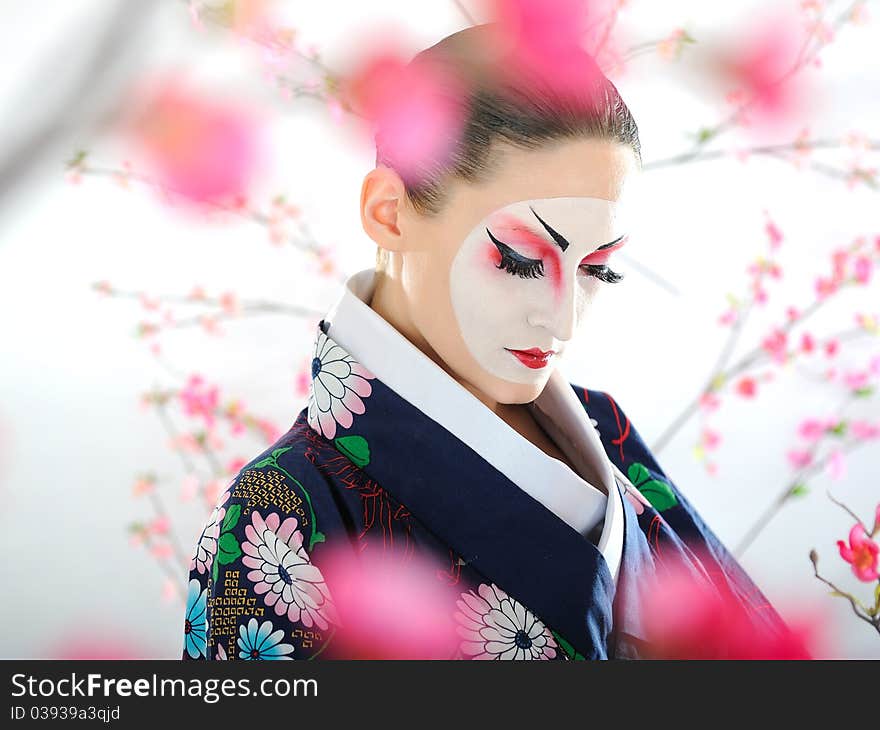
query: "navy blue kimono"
364, 467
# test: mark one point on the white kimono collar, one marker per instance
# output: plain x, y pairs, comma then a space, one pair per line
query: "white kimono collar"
373, 342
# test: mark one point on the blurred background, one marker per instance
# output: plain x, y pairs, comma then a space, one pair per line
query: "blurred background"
179, 187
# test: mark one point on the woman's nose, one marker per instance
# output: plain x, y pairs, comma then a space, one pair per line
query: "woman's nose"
559, 316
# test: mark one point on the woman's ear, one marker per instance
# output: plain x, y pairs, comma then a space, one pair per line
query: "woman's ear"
382, 201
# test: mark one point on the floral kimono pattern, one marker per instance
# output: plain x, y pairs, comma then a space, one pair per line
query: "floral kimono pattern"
362, 466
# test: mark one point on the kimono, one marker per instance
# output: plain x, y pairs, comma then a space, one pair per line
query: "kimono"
392, 453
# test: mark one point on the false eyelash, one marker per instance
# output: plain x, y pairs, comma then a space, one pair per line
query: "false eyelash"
516, 264
603, 273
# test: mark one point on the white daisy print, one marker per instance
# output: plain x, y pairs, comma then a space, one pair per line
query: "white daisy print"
283, 572
496, 626
339, 382
206, 548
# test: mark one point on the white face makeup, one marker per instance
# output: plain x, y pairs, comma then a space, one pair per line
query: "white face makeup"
523, 278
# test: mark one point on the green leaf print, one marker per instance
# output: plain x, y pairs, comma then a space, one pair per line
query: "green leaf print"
570, 651
355, 448
231, 518
228, 551
658, 493
272, 459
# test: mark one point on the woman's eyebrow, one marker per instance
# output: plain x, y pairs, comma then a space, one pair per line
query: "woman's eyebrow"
560, 240
609, 245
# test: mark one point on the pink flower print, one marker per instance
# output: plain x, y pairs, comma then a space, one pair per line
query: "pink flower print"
861, 554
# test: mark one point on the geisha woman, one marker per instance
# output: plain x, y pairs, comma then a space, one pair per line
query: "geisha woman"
439, 428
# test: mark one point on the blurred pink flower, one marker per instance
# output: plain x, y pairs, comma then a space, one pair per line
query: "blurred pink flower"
415, 109
812, 429
747, 387
203, 148
864, 430
775, 345
755, 64
710, 439
160, 525
391, 605
861, 553
709, 402
693, 620
808, 344
543, 41
233, 466
862, 269
200, 400
799, 458
836, 465
189, 486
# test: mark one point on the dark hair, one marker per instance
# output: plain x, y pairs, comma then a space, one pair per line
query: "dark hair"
522, 113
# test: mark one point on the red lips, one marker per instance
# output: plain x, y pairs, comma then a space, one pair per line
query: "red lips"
534, 357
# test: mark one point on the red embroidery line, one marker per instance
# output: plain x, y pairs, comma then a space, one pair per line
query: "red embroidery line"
624, 432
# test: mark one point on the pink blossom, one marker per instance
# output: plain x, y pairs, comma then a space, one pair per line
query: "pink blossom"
271, 432
212, 491
836, 465
302, 381
824, 287
799, 458
863, 267
864, 430
774, 234
808, 344
142, 486
391, 604
747, 387
711, 439
203, 148
792, 313
188, 487
729, 317
162, 550
709, 401
233, 466
761, 56
861, 554
775, 345
856, 379
229, 302
200, 400
414, 107
694, 619
543, 41
812, 429
831, 347
169, 590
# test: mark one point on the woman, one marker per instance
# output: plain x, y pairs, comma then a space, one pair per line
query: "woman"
438, 425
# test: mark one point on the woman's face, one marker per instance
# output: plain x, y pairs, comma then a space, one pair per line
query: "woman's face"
512, 264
